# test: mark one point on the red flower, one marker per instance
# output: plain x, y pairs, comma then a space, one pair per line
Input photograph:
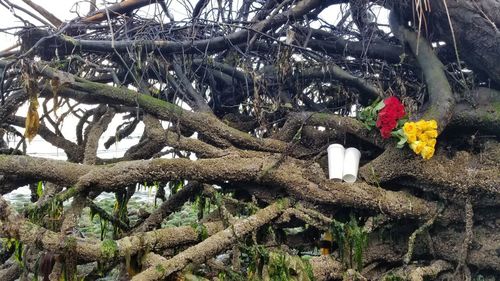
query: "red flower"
394, 106
389, 115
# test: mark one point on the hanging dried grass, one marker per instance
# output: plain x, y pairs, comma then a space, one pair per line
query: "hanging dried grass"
32, 118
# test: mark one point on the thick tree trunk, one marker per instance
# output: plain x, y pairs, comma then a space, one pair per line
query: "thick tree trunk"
475, 26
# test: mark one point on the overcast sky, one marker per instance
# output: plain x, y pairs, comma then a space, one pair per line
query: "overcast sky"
60, 8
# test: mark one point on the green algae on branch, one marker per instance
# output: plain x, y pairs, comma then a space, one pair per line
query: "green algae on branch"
283, 203
109, 248
157, 106
160, 268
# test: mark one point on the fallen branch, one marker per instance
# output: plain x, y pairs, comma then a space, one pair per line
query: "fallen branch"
171, 205
11, 272
46, 14
431, 271
89, 250
213, 245
117, 10
452, 179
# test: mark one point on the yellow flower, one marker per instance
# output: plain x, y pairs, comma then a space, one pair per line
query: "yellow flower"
423, 137
432, 124
421, 125
427, 152
411, 138
409, 128
431, 133
417, 146
431, 142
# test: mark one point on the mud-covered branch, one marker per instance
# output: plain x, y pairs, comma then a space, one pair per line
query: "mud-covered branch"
303, 181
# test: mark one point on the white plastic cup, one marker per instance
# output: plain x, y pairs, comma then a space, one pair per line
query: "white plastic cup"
336, 161
351, 164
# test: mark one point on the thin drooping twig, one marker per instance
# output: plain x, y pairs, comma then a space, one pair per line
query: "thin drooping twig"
468, 236
411, 241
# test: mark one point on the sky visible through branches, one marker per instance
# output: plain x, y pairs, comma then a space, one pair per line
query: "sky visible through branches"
67, 10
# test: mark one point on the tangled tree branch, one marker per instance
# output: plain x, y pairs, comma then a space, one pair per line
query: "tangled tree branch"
225, 116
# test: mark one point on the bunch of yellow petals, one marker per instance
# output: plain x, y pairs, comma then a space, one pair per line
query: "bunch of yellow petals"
421, 136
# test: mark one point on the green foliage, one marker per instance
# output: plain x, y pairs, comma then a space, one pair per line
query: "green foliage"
103, 223
70, 243
258, 257
48, 216
104, 227
175, 186
39, 189
278, 267
201, 203
275, 265
352, 240
308, 268
369, 114
120, 211
231, 275
222, 276
338, 230
201, 231
148, 187
204, 205
55, 214
15, 246
399, 134
187, 216
283, 203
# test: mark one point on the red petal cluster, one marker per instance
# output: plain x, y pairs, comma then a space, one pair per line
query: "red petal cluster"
389, 115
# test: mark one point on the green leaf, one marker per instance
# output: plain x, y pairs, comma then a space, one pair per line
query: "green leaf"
39, 189
398, 133
402, 121
379, 105
201, 230
18, 253
401, 143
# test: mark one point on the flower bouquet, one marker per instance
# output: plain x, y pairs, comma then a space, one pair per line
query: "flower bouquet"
390, 118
